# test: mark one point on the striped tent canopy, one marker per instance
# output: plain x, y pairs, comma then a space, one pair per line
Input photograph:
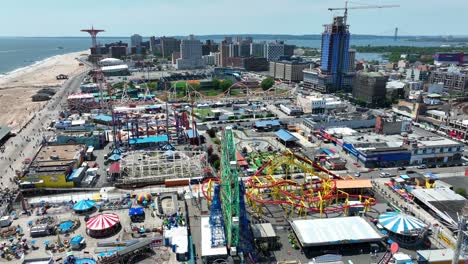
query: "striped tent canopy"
401, 223
142, 197
84, 205
102, 221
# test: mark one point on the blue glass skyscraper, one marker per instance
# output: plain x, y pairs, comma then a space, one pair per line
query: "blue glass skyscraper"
335, 55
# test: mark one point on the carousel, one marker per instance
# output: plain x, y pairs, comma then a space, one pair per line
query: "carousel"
84, 206
102, 225
406, 230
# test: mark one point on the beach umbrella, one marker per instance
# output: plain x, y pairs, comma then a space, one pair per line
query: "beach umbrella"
70, 253
102, 221
142, 197
84, 205
33, 242
401, 223
46, 242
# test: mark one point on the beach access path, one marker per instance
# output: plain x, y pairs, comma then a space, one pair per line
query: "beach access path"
17, 87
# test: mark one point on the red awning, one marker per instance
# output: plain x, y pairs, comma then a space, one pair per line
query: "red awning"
114, 167
239, 156
243, 163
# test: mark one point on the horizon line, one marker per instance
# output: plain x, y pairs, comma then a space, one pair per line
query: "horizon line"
231, 34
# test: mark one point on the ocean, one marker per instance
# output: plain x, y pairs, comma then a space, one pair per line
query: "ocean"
17, 53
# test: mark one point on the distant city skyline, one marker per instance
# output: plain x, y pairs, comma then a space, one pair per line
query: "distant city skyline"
207, 17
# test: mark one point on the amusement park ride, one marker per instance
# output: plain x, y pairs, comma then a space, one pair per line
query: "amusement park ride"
273, 184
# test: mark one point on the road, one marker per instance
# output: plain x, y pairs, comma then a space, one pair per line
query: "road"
27, 141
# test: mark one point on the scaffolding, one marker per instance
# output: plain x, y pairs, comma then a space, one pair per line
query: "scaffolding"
151, 167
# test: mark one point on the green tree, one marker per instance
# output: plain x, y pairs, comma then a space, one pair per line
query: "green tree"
267, 83
225, 84
211, 132
217, 164
215, 83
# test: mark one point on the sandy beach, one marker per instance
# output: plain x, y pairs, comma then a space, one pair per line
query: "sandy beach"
17, 87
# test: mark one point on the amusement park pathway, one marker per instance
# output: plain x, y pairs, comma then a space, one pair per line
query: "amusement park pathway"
26, 143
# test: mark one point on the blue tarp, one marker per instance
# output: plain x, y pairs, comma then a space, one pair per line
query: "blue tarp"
84, 205
191, 134
155, 139
404, 177
286, 136
76, 240
136, 211
65, 226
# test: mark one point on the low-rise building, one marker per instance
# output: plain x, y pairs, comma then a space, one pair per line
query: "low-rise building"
317, 103
291, 110
353, 120
52, 165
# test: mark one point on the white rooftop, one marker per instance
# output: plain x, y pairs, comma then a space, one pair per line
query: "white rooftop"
115, 68
206, 249
435, 255
437, 195
263, 230
339, 230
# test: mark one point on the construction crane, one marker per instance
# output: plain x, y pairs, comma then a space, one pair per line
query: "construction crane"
345, 8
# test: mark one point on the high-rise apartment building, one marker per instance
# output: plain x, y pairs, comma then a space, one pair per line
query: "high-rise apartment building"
273, 51
168, 46
136, 40
257, 50
338, 62
224, 53
190, 54
288, 70
335, 53
234, 50
370, 87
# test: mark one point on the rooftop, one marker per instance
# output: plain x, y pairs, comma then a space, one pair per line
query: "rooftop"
346, 230
155, 139
206, 248
286, 136
264, 230
352, 184
58, 153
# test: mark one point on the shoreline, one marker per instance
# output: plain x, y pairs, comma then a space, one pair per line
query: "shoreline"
18, 87
37, 64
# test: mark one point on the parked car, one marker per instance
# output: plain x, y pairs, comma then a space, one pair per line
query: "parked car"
423, 166
357, 174
401, 168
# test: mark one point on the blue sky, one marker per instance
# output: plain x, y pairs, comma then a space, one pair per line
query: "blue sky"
182, 17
